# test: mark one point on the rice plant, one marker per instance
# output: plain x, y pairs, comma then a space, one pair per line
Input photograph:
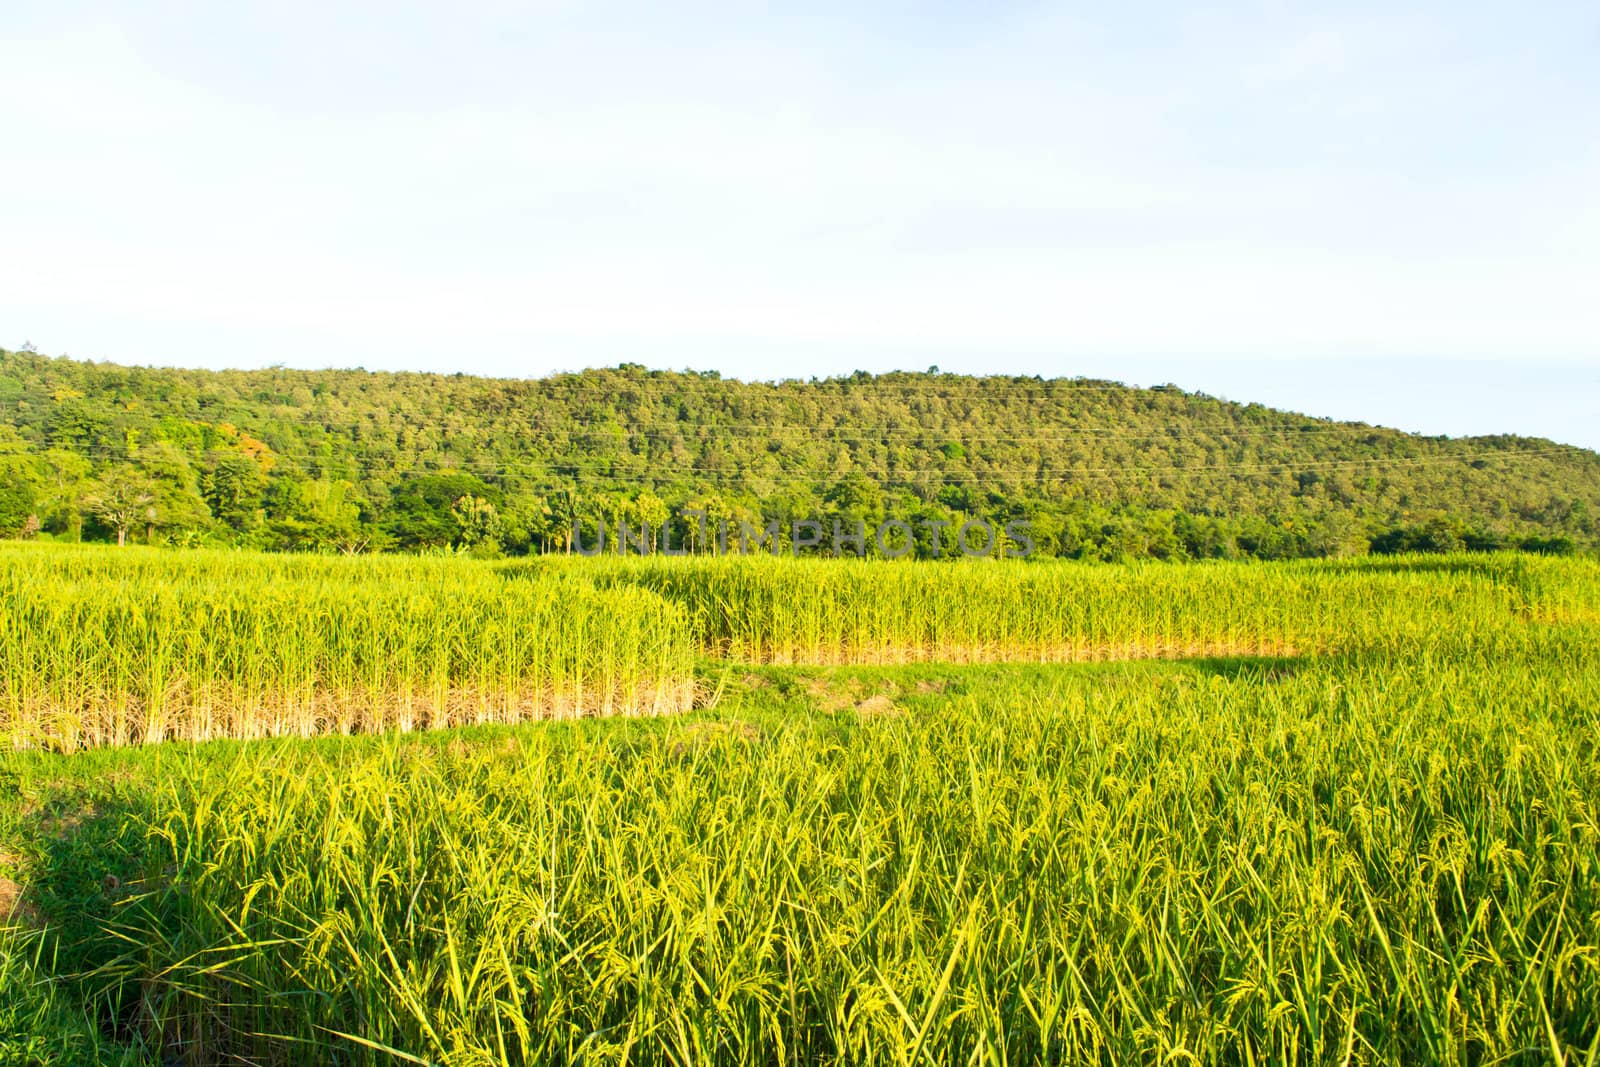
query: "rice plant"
768, 610
1343, 812
1322, 863
99, 646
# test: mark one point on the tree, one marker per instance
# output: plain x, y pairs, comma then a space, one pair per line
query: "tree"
19, 486
1098, 469
320, 514
67, 480
420, 514
564, 511
233, 489
476, 522
124, 501
652, 511
17, 499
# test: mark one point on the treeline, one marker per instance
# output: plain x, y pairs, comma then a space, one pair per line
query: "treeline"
355, 461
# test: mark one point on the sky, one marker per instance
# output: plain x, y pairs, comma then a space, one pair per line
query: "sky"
1376, 211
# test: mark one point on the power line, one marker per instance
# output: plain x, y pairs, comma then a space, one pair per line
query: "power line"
694, 431
581, 426
597, 465
1191, 468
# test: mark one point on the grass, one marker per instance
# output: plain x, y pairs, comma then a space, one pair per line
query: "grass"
40, 1024
1377, 844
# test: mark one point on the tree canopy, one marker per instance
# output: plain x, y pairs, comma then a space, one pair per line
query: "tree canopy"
350, 460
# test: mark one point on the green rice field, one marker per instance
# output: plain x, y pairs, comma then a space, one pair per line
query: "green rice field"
293, 810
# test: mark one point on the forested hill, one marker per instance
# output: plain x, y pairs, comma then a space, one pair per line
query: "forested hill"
356, 460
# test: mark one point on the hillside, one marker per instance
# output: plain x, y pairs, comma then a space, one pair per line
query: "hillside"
353, 460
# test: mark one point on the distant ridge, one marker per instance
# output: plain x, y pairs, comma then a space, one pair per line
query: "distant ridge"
358, 460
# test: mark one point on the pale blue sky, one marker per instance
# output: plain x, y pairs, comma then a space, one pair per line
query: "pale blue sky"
1383, 211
